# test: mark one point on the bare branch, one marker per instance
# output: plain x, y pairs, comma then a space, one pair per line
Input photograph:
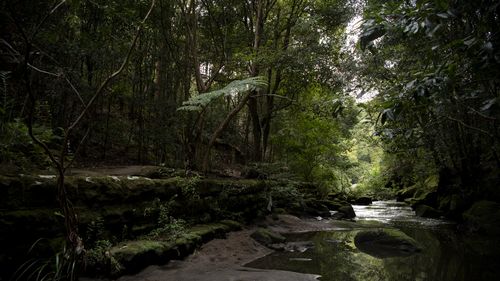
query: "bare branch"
43, 71
470, 127
39, 26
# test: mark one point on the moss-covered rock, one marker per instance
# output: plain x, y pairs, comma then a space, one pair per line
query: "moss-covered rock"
133, 256
117, 208
405, 193
267, 237
483, 216
363, 200
316, 208
333, 205
427, 212
345, 212
34, 223
233, 225
429, 198
384, 243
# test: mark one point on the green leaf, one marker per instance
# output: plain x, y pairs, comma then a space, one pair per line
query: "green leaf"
200, 101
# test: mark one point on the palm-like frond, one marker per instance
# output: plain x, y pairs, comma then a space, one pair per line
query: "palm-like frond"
199, 102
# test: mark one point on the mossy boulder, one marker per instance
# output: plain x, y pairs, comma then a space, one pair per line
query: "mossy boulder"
405, 193
135, 255
429, 198
267, 237
385, 243
333, 205
132, 256
348, 211
344, 212
316, 208
363, 200
483, 216
427, 212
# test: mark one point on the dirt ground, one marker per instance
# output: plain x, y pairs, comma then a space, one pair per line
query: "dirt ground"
223, 259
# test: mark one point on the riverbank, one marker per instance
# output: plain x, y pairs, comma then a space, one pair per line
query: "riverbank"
445, 254
224, 259
138, 216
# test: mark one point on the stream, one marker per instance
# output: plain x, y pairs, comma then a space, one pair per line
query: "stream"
446, 254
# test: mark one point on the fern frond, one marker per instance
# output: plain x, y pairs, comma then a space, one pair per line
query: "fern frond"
199, 102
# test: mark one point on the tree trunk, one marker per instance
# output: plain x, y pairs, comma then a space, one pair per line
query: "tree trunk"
222, 127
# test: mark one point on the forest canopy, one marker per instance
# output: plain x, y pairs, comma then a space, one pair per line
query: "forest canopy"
214, 85
357, 98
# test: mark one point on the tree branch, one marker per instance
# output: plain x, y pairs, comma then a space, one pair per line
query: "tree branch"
115, 74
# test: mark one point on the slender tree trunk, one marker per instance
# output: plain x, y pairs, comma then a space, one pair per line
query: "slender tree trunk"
222, 127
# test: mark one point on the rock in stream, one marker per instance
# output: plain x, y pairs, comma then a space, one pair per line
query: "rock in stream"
385, 243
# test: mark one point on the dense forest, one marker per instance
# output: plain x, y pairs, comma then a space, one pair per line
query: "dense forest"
368, 99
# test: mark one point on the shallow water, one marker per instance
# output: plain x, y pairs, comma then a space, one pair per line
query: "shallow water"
446, 255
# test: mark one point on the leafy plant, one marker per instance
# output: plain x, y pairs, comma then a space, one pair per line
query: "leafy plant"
188, 186
100, 260
168, 227
95, 231
60, 267
202, 100
286, 194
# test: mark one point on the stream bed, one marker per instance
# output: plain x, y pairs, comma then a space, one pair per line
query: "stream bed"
446, 254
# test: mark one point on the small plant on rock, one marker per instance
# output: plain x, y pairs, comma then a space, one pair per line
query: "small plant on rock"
169, 228
100, 260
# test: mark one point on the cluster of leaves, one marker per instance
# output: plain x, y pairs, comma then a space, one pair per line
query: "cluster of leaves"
100, 259
437, 74
188, 186
284, 195
201, 101
59, 267
314, 141
168, 227
16, 146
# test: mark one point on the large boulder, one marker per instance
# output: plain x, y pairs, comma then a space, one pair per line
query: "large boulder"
348, 211
406, 193
385, 243
427, 212
316, 208
429, 198
483, 216
344, 212
363, 200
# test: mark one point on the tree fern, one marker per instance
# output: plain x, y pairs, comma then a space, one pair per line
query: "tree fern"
199, 102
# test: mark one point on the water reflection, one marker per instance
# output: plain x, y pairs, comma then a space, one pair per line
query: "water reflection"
445, 255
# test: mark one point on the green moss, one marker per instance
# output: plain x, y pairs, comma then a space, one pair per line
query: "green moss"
187, 239
128, 250
33, 215
233, 225
209, 229
267, 237
484, 216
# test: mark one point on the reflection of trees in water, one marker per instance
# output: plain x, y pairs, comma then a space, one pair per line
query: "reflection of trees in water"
440, 259
337, 259
340, 260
